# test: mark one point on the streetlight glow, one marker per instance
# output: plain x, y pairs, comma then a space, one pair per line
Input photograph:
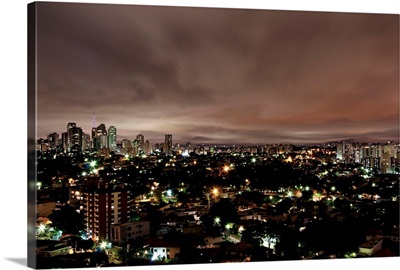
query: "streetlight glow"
215, 191
217, 220
103, 245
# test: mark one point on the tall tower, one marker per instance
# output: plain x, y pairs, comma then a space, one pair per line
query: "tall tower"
168, 144
339, 151
140, 139
70, 126
53, 139
75, 138
112, 138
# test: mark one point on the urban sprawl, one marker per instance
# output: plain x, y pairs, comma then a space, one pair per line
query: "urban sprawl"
108, 202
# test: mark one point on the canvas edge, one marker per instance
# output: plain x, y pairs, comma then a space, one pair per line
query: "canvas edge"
31, 218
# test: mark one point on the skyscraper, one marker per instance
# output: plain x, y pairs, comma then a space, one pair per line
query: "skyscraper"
168, 144
70, 125
97, 133
52, 139
140, 139
112, 138
75, 138
103, 141
101, 130
339, 151
85, 141
64, 139
147, 148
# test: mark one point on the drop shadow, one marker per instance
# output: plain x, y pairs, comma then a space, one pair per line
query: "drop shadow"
20, 261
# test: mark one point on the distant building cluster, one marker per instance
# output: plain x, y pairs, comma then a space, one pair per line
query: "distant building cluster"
101, 139
104, 141
384, 157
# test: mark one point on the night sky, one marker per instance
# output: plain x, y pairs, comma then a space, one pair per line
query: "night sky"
218, 75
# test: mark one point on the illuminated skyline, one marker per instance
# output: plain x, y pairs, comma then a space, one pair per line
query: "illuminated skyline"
218, 75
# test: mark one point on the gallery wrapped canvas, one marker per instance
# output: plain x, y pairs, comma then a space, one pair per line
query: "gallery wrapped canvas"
162, 135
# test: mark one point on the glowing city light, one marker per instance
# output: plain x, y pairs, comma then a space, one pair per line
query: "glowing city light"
215, 191
217, 220
42, 227
103, 245
229, 226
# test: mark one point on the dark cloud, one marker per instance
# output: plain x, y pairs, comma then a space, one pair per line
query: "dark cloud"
223, 75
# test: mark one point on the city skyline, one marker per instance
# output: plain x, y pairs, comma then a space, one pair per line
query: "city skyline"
218, 75
162, 139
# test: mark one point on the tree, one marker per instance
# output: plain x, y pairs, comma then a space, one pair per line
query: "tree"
225, 211
154, 216
284, 205
306, 195
85, 244
67, 220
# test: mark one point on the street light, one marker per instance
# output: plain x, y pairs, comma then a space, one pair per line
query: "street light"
217, 220
229, 226
215, 191
41, 228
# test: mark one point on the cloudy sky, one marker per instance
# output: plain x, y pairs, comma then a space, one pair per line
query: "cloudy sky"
218, 75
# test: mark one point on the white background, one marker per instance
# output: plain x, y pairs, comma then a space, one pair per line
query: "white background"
13, 105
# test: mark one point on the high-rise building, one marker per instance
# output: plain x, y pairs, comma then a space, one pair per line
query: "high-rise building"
147, 148
140, 140
168, 144
70, 125
385, 162
339, 151
75, 138
97, 132
52, 139
103, 141
64, 138
85, 141
126, 144
135, 147
101, 130
112, 138
104, 207
94, 132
